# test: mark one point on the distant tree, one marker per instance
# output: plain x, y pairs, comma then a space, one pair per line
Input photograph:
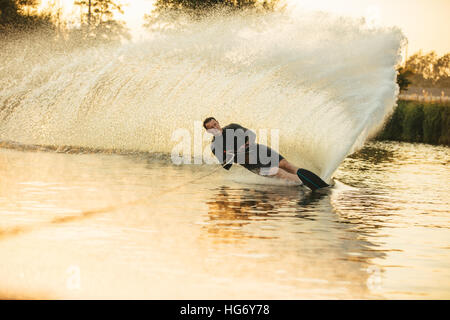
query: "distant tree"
403, 78
429, 70
423, 64
9, 11
26, 6
443, 65
170, 10
20, 16
98, 24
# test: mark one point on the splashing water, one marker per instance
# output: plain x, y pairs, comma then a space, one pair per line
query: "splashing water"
327, 83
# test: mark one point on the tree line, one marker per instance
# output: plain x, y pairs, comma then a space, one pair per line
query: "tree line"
96, 24
99, 22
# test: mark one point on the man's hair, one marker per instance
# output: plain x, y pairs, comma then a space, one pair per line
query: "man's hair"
207, 120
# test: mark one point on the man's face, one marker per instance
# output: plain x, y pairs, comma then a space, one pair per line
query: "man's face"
213, 127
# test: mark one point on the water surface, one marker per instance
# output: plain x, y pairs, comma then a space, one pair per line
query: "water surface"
93, 225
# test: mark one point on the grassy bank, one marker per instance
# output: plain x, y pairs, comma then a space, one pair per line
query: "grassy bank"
415, 121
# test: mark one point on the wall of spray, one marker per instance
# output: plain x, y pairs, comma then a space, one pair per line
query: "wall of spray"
326, 82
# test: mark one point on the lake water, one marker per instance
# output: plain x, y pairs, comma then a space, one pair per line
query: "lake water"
96, 225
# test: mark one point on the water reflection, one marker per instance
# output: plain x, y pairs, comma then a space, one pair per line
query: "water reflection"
315, 240
230, 209
374, 154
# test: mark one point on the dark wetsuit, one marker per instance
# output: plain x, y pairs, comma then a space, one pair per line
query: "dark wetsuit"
253, 157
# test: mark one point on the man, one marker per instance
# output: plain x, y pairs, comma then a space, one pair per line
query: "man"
235, 143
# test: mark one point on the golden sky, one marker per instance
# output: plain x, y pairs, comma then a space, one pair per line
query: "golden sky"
426, 23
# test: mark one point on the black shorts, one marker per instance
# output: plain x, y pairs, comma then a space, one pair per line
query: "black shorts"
260, 156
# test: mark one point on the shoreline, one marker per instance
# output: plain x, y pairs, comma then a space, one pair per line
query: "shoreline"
418, 121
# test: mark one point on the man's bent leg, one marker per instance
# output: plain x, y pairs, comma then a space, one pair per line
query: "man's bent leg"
279, 173
289, 167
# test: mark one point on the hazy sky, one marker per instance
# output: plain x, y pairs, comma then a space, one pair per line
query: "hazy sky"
426, 23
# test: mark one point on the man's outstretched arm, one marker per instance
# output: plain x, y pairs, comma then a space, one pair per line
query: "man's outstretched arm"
225, 160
